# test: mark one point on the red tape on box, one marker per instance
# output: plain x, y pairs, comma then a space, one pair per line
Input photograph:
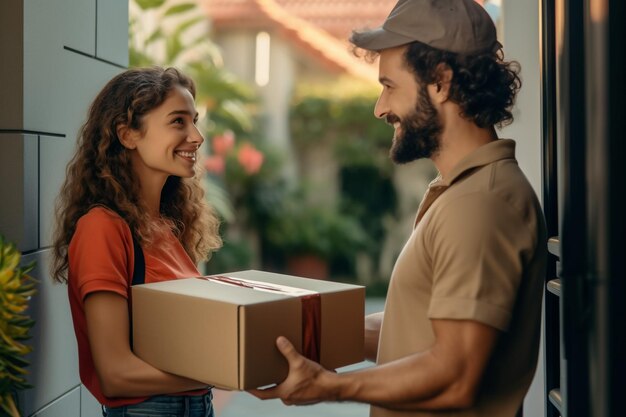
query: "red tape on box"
311, 309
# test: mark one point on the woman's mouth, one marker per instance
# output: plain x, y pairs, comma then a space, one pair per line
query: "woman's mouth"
188, 155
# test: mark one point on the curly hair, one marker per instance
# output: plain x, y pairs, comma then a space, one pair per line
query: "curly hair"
100, 172
483, 84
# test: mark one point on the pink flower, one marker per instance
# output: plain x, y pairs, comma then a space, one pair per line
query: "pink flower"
215, 164
223, 143
250, 158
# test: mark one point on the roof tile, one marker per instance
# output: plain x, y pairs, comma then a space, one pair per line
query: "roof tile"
337, 17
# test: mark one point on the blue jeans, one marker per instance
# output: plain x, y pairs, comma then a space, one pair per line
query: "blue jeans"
166, 406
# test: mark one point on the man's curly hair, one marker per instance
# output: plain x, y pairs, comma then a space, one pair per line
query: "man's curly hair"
483, 85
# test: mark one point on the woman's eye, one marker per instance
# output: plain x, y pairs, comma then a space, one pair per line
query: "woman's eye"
178, 121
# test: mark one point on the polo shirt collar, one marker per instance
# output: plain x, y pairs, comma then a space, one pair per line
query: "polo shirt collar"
486, 154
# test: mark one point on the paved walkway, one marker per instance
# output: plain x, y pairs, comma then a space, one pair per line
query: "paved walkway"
242, 404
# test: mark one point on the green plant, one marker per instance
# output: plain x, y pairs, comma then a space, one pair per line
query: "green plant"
342, 115
180, 39
16, 288
235, 255
301, 228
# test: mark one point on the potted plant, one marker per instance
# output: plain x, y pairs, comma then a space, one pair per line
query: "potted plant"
310, 236
16, 289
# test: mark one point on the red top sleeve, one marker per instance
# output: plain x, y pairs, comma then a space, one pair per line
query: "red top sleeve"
101, 254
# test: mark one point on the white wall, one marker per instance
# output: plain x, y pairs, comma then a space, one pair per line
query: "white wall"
520, 38
56, 55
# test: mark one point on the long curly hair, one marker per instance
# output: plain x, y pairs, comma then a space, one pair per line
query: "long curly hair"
100, 172
483, 85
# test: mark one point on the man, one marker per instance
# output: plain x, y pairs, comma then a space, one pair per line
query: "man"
460, 329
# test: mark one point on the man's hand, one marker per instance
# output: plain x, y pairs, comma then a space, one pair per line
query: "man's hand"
307, 382
446, 376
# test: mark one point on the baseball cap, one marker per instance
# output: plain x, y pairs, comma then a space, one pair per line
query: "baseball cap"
460, 26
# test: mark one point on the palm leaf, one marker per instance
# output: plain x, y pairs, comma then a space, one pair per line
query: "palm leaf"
219, 199
16, 290
149, 4
183, 26
179, 8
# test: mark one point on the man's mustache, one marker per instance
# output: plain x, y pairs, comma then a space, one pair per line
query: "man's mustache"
391, 119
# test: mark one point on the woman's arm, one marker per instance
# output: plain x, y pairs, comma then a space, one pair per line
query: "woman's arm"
121, 373
372, 334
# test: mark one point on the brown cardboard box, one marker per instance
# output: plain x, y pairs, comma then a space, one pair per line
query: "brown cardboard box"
225, 335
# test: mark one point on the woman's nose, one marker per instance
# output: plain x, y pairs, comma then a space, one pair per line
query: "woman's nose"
195, 136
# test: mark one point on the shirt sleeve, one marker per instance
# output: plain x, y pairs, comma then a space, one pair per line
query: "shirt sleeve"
100, 254
479, 246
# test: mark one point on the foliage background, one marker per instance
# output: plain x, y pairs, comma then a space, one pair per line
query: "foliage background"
268, 217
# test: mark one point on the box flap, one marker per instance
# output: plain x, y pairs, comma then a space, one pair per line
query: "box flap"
201, 288
316, 285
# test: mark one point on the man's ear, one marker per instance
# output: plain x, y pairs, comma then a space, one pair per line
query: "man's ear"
127, 136
442, 84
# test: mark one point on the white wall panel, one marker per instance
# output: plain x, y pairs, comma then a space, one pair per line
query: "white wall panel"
59, 23
54, 358
49, 81
44, 29
64, 69
521, 43
89, 406
18, 174
55, 153
112, 31
78, 24
66, 406
86, 77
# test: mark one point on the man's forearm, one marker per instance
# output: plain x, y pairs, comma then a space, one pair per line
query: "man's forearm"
418, 382
373, 324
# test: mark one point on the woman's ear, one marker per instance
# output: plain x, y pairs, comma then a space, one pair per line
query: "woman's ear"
127, 136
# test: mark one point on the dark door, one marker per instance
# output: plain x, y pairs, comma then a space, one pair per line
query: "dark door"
584, 185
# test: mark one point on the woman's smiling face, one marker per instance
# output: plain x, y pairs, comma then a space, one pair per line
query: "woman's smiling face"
169, 139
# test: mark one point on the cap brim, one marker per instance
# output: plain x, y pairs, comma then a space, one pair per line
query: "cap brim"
378, 39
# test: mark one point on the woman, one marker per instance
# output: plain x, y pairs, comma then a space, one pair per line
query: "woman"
132, 180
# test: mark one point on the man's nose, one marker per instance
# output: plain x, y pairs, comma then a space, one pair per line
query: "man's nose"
381, 109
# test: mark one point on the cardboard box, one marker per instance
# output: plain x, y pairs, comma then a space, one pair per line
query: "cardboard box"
224, 335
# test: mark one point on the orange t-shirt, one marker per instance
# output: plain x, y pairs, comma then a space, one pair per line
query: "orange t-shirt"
101, 258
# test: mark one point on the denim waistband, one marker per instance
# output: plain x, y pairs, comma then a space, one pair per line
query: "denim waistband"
179, 405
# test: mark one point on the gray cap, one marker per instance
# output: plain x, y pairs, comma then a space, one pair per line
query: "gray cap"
460, 26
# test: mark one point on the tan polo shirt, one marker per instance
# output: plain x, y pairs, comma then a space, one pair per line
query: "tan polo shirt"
477, 252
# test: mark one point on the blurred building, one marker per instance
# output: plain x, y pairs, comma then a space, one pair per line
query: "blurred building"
276, 44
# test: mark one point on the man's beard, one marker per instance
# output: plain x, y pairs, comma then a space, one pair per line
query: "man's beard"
419, 131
